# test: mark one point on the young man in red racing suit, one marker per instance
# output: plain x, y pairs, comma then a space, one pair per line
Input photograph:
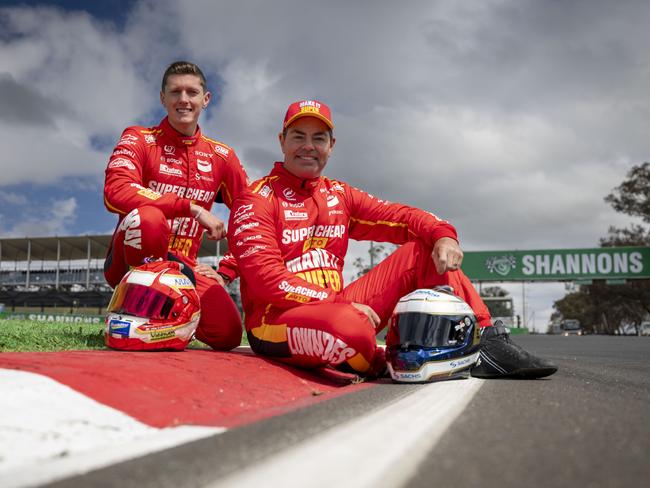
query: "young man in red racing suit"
289, 234
162, 181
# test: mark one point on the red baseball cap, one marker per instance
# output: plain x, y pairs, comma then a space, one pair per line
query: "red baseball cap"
308, 108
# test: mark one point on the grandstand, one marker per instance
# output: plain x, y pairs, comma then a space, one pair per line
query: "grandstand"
64, 274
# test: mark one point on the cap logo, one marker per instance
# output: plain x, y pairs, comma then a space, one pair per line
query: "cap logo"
309, 103
308, 109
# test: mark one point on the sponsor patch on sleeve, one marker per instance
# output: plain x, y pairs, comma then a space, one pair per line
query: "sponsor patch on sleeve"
222, 150
296, 298
150, 194
121, 163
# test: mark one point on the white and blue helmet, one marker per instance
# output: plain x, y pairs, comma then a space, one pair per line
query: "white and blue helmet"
433, 335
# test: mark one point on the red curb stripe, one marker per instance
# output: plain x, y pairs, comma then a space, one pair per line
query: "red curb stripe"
194, 387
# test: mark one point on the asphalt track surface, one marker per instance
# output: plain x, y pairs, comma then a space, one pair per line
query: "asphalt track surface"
586, 426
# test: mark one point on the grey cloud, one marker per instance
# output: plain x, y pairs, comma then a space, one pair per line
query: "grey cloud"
51, 221
68, 80
258, 160
540, 55
22, 104
13, 198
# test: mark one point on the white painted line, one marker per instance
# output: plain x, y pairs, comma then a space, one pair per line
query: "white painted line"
381, 449
48, 432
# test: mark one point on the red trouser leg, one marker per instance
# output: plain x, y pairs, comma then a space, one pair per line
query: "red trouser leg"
318, 334
410, 267
220, 326
407, 269
144, 233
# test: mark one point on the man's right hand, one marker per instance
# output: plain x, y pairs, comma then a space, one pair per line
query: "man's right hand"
447, 255
370, 313
214, 227
210, 272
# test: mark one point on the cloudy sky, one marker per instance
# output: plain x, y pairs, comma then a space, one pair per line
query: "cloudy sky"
510, 118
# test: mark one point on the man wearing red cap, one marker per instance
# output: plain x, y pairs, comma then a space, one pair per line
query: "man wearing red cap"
162, 181
289, 235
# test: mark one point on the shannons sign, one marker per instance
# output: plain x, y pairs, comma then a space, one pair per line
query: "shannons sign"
59, 318
603, 263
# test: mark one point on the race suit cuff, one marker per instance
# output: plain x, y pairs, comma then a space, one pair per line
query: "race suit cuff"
439, 234
227, 274
225, 278
182, 208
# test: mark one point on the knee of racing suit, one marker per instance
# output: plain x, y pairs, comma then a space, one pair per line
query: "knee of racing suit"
330, 334
220, 326
145, 233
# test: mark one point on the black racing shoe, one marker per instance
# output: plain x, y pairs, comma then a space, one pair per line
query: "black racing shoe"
501, 358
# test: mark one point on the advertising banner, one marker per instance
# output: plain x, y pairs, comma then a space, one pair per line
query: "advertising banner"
602, 263
54, 317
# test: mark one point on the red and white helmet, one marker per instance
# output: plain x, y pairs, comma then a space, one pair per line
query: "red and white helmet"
155, 306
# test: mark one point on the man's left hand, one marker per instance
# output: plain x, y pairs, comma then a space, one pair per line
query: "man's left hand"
370, 313
447, 255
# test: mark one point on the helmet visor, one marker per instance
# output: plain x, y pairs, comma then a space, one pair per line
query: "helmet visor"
140, 301
426, 330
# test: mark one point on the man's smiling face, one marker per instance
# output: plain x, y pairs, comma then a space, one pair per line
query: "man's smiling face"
306, 144
184, 98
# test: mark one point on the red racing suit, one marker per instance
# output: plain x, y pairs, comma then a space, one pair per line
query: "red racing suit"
290, 237
152, 177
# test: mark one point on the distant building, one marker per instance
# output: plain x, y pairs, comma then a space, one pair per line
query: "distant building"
65, 273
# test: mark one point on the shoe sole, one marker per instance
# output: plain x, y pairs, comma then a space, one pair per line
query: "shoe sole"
523, 373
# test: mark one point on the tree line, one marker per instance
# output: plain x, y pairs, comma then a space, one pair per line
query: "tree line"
602, 308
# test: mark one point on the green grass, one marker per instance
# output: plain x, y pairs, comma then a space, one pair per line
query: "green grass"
26, 335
